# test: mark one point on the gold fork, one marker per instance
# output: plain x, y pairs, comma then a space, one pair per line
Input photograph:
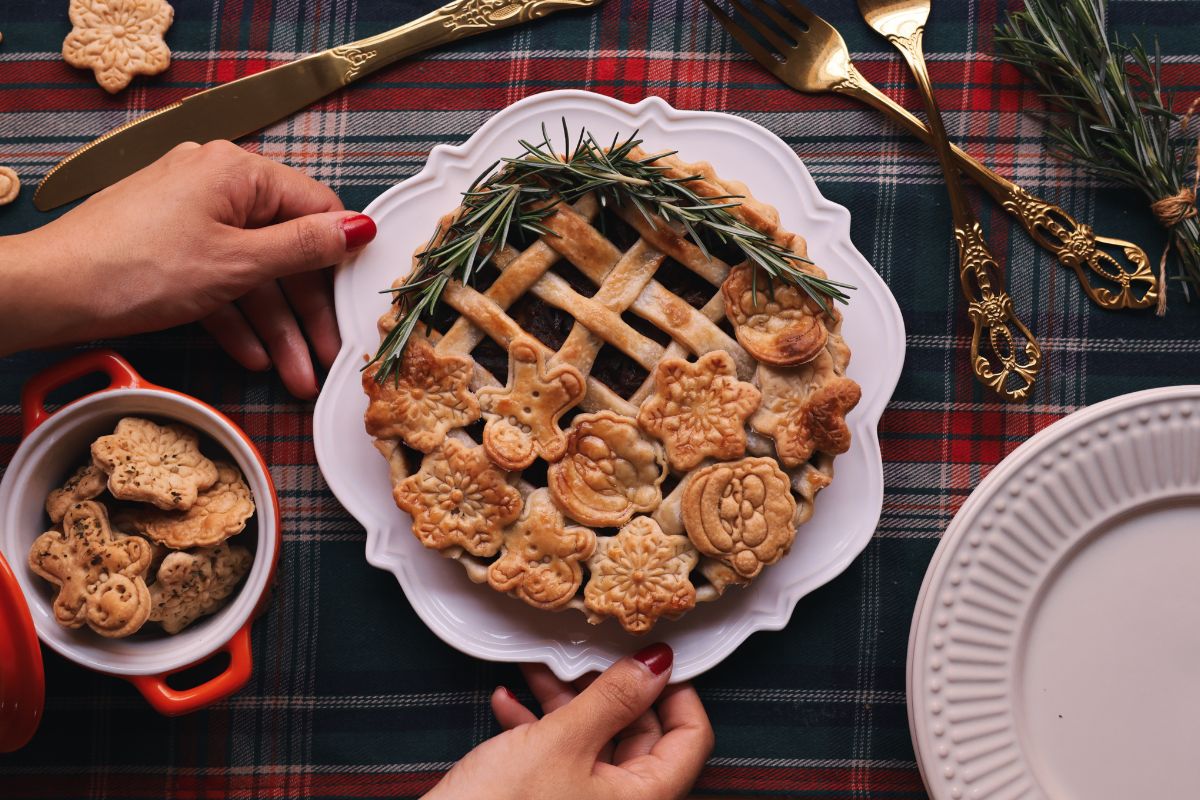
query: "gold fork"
816, 59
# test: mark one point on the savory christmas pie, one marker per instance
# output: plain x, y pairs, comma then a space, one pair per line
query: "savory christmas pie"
619, 411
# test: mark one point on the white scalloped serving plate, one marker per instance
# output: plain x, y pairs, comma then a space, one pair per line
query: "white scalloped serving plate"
1054, 649
477, 620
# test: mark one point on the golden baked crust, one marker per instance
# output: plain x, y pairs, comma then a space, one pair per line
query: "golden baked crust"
458, 499
220, 511
678, 404
152, 463
609, 471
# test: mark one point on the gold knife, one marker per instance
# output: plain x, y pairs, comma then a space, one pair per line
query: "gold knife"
235, 109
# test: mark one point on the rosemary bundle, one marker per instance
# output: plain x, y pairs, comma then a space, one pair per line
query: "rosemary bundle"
1112, 116
520, 193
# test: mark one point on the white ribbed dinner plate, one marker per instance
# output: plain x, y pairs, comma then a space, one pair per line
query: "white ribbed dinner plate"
476, 619
1055, 648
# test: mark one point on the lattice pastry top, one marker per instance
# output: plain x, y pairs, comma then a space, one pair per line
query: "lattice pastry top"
611, 420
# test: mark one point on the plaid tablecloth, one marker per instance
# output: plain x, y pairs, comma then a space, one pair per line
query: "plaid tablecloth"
351, 695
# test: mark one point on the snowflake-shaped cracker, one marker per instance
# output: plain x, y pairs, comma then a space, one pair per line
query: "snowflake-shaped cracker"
220, 511
610, 470
639, 575
152, 463
741, 513
459, 499
118, 39
804, 409
523, 415
539, 561
196, 583
100, 577
699, 409
429, 396
777, 322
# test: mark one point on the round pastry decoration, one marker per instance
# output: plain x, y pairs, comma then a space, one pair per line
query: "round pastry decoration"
619, 401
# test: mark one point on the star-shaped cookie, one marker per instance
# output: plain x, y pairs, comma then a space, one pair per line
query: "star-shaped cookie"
523, 415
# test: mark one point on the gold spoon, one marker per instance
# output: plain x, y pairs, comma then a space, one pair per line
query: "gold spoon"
1008, 368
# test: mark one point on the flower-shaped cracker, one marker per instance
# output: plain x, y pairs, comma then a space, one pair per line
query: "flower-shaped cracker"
220, 511
151, 463
118, 39
430, 395
741, 513
804, 409
523, 415
100, 577
539, 562
87, 482
777, 322
699, 410
610, 471
424, 401
639, 575
193, 584
458, 499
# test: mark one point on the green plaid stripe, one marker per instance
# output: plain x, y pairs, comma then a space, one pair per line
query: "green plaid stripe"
351, 695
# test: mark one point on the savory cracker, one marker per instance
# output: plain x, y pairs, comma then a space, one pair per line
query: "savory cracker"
777, 322
100, 577
220, 511
118, 39
740, 513
699, 410
458, 499
152, 463
428, 397
610, 470
539, 560
640, 575
195, 584
522, 418
86, 483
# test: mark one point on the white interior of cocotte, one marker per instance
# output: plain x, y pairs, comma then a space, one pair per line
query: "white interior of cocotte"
50, 454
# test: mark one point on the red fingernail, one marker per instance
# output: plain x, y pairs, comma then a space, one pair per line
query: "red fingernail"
508, 692
657, 657
358, 230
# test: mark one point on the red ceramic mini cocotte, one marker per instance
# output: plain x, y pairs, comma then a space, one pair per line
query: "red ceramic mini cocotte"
54, 444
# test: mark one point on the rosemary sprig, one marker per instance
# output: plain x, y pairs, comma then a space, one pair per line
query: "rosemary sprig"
1113, 117
519, 193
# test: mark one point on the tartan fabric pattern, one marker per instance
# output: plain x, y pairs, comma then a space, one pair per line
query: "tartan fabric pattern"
351, 695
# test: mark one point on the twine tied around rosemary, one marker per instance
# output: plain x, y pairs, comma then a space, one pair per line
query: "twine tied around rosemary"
1174, 209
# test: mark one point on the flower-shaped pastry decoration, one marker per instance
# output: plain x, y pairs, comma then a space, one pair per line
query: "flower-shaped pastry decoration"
152, 463
100, 577
640, 575
777, 322
539, 561
193, 584
610, 470
699, 410
804, 409
458, 499
118, 39
741, 513
523, 415
220, 511
428, 397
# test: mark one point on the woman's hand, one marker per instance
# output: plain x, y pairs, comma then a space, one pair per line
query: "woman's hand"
210, 233
624, 735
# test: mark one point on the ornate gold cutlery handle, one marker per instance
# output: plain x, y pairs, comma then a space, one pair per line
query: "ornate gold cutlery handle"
1010, 362
1114, 273
452, 21
1012, 359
